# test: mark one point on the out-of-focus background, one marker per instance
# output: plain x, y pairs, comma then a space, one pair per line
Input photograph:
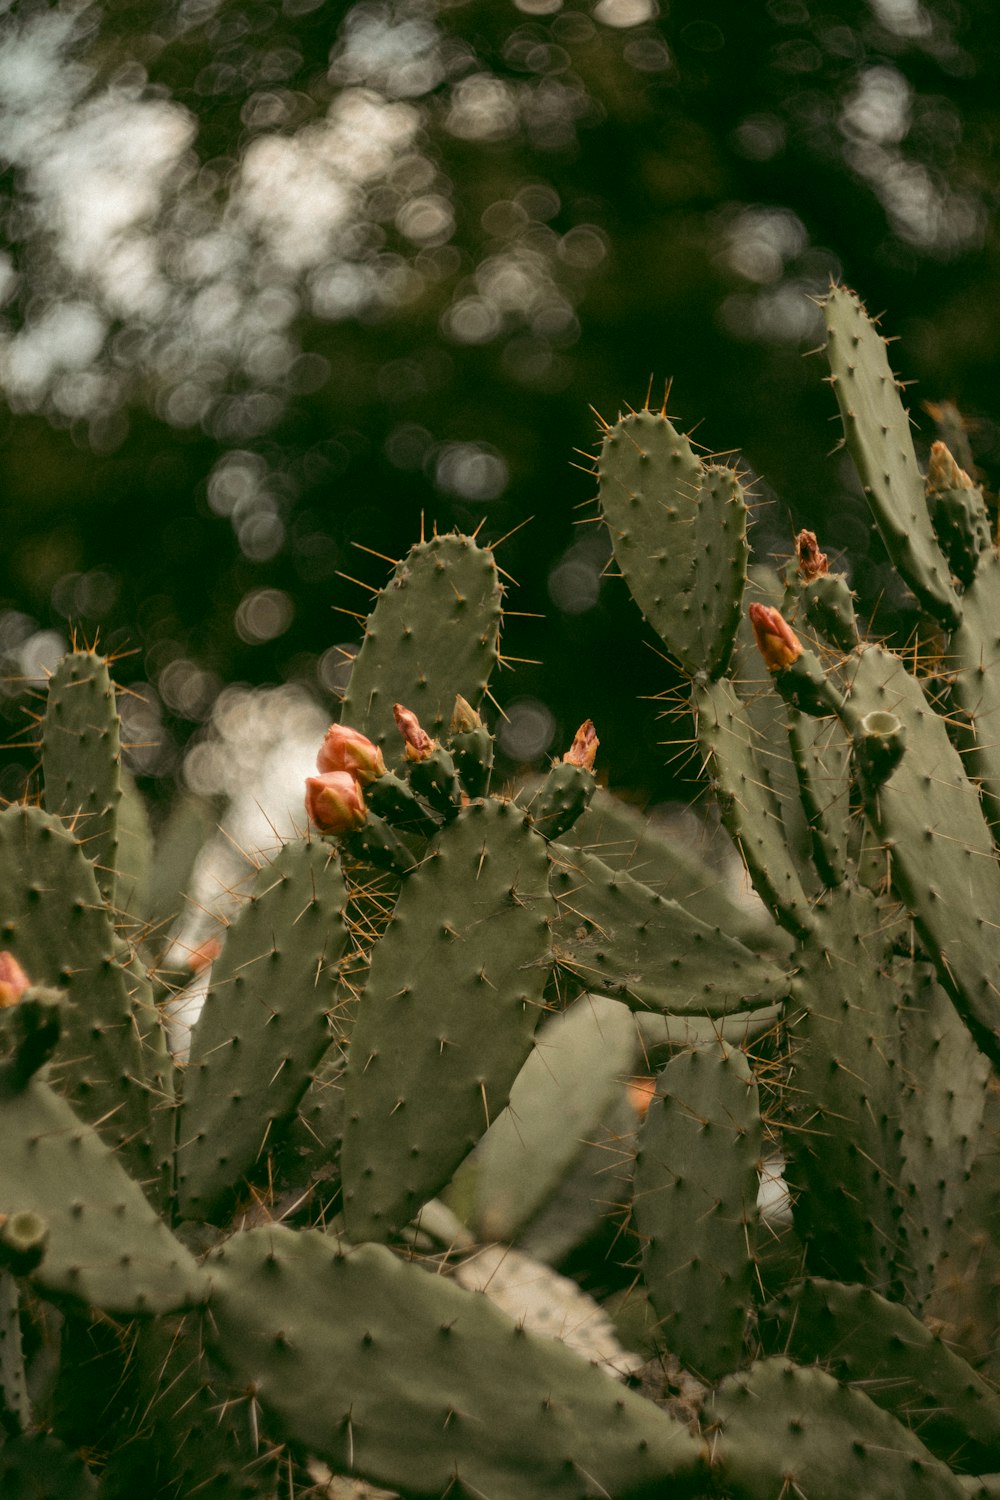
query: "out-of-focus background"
283, 276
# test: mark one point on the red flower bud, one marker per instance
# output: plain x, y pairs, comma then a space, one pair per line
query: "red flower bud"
776, 640
13, 980
335, 802
346, 749
812, 562
583, 751
419, 744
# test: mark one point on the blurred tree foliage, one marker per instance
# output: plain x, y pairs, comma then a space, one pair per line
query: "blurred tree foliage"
284, 277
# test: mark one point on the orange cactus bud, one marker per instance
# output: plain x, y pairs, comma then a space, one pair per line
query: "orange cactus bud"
13, 980
346, 749
812, 562
583, 751
944, 472
335, 802
204, 955
776, 640
419, 744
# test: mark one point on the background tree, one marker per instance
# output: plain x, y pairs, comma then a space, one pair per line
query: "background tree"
282, 278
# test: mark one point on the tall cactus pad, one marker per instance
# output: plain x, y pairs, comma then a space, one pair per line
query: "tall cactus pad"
678, 528
53, 920
81, 759
105, 1246
738, 765
944, 866
446, 1019
790, 1431
696, 1181
402, 1377
434, 633
877, 431
844, 1145
264, 1026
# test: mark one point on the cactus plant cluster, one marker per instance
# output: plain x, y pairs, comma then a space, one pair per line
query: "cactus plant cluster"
448, 1016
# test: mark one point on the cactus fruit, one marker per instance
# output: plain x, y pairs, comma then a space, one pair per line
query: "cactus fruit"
769, 1132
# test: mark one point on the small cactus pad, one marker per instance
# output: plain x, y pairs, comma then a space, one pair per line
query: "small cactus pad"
446, 1019
678, 528
696, 1182
400, 1376
787, 1431
263, 1027
105, 1245
619, 938
877, 432
433, 633
81, 759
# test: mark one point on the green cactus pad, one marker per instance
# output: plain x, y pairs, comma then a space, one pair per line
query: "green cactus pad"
944, 863
134, 863
264, 1026
446, 1020
433, 633
619, 938
678, 528
400, 1376
105, 1246
787, 1431
15, 1407
829, 607
821, 752
670, 863
740, 770
696, 1183
943, 1094
877, 432
578, 1067
564, 794
844, 1149
81, 759
53, 920
972, 665
902, 1366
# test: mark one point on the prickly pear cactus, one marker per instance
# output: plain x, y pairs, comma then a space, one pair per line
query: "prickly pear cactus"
452, 1011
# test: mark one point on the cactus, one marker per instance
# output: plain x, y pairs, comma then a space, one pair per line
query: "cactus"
220, 1272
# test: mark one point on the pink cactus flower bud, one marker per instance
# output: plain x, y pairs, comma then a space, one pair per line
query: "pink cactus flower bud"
335, 802
346, 749
419, 744
812, 562
944, 472
13, 980
776, 640
583, 751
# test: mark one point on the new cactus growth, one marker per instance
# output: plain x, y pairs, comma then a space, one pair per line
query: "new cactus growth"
217, 1274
